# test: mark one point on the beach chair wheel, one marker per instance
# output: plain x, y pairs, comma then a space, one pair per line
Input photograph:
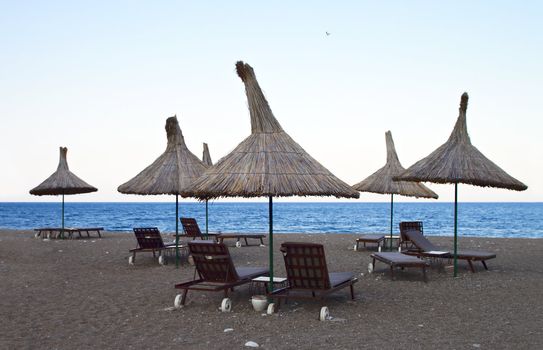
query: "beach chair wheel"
238, 244
177, 301
324, 314
161, 260
370, 268
271, 309
226, 305
131, 260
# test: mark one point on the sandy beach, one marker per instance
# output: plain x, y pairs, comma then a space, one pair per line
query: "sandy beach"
81, 293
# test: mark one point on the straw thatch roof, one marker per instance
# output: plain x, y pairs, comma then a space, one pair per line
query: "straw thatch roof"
268, 162
170, 173
458, 161
381, 181
206, 157
62, 181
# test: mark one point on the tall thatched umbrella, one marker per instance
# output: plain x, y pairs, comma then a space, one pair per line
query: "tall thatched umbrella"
458, 161
170, 173
267, 163
381, 181
206, 159
62, 182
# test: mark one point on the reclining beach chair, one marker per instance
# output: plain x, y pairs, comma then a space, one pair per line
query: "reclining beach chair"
191, 229
150, 240
409, 226
424, 248
308, 276
215, 272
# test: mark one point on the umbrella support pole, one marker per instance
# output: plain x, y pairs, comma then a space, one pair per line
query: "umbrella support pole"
455, 228
177, 231
206, 220
62, 231
391, 217
270, 244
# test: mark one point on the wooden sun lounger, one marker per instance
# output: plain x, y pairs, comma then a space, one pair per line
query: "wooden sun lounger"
409, 226
150, 240
191, 229
57, 232
307, 274
394, 259
374, 239
215, 270
423, 247
238, 236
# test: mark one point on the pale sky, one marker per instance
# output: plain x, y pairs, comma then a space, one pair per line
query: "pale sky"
101, 77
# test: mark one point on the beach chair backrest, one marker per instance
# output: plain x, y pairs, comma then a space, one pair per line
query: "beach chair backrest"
409, 226
148, 237
213, 261
419, 241
305, 264
190, 227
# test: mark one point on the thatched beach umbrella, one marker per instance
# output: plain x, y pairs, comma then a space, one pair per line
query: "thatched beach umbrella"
170, 173
268, 163
206, 159
458, 161
62, 182
381, 181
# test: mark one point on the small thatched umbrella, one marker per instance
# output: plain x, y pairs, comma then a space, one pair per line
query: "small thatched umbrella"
458, 161
62, 182
206, 159
381, 181
170, 173
267, 163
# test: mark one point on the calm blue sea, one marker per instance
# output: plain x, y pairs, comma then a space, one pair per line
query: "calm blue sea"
475, 219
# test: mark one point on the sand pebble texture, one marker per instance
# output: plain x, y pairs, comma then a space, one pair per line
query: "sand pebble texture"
83, 294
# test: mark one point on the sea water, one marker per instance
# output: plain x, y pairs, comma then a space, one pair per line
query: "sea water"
474, 219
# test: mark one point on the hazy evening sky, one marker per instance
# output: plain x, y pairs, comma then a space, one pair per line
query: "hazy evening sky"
101, 77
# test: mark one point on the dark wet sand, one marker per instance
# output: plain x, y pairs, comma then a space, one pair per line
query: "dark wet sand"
82, 294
